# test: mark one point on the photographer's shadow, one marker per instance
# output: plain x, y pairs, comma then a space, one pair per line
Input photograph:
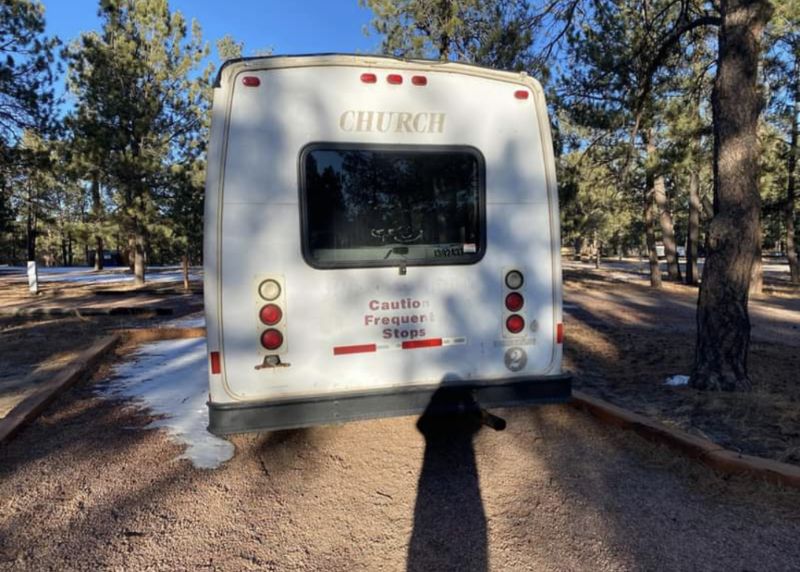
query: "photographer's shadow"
449, 520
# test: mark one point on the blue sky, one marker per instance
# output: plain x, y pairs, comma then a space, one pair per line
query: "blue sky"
287, 26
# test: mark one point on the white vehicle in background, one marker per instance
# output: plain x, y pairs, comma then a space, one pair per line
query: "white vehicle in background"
375, 230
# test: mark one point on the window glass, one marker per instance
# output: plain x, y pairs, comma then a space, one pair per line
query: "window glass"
387, 206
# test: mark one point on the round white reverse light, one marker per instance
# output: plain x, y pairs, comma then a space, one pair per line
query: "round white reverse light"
514, 279
269, 290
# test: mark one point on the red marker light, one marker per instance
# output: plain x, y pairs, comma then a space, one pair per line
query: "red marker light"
515, 301
215, 363
560, 333
419, 80
251, 81
270, 314
522, 94
515, 323
369, 77
272, 339
394, 78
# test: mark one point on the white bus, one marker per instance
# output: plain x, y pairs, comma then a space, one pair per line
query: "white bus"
377, 229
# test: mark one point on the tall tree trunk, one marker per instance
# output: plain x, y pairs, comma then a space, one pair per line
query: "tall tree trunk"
650, 235
131, 250
596, 250
138, 256
708, 208
667, 230
444, 40
791, 167
664, 214
98, 252
757, 274
97, 211
791, 247
694, 228
723, 324
649, 226
185, 264
64, 249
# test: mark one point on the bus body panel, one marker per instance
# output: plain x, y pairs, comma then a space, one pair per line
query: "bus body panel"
356, 330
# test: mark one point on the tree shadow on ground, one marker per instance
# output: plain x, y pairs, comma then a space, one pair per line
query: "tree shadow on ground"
449, 518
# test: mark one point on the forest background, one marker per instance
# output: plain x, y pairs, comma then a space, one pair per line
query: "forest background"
675, 125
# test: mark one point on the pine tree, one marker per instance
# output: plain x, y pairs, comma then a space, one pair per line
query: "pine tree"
494, 33
783, 69
723, 323
143, 103
614, 85
26, 71
26, 99
228, 48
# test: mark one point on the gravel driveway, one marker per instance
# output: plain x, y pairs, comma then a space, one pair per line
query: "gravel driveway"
86, 488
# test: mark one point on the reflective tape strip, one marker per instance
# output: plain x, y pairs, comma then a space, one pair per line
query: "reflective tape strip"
429, 343
360, 349
407, 345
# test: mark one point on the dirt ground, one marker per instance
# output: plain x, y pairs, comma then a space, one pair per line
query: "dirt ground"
86, 488
624, 339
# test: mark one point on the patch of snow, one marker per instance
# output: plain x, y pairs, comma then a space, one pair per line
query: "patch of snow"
677, 380
170, 380
87, 275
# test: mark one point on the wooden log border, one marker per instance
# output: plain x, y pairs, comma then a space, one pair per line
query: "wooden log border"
716, 457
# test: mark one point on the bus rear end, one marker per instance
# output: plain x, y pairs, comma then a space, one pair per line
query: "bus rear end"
377, 230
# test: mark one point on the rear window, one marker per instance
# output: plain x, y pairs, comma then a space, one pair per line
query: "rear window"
374, 205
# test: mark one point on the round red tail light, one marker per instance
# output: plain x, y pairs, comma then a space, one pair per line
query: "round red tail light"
515, 323
515, 301
272, 339
270, 314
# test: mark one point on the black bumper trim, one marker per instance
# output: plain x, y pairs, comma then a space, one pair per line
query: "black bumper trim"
253, 416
